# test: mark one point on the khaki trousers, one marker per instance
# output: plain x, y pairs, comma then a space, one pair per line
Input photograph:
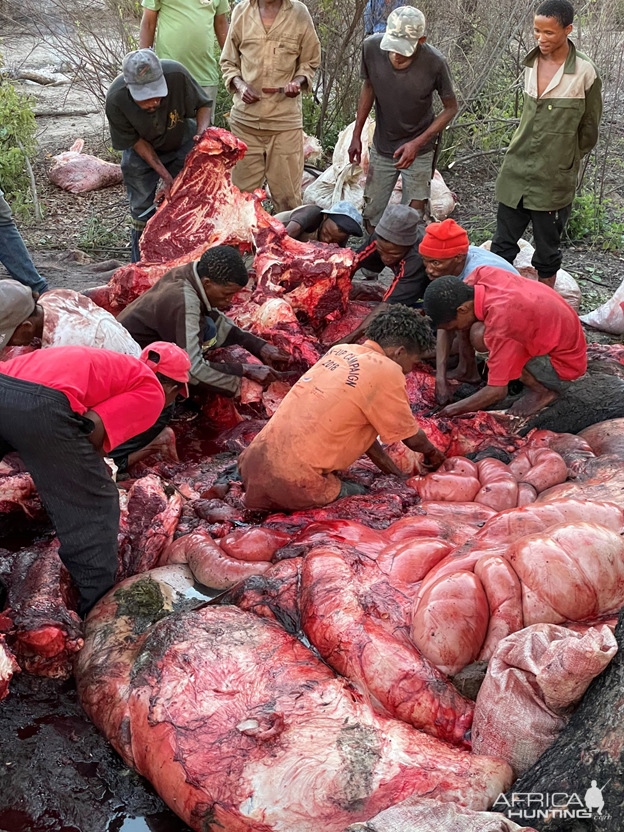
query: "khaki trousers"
276, 157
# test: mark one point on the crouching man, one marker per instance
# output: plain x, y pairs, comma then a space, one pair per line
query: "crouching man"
529, 331
63, 409
334, 414
185, 305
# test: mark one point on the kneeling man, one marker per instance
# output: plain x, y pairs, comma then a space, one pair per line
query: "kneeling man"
334, 414
529, 331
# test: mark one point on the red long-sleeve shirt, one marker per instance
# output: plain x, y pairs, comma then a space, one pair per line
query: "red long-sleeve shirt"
122, 390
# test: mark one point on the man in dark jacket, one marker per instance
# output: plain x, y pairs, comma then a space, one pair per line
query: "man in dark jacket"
184, 307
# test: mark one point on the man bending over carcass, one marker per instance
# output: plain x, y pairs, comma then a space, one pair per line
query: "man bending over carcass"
184, 307
334, 414
64, 318
336, 225
155, 111
529, 331
61, 318
62, 410
445, 249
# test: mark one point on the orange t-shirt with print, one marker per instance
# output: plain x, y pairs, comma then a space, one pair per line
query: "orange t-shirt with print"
329, 418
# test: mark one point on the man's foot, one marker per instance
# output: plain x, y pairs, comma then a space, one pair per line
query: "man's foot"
532, 402
464, 374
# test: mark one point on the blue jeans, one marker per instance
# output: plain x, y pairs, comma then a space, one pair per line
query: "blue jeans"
141, 181
14, 254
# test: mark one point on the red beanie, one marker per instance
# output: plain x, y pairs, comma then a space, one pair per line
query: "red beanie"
444, 240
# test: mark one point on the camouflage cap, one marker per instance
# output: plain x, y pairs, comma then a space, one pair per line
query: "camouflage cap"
405, 27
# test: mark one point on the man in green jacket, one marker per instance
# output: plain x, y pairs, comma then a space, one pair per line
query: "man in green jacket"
559, 125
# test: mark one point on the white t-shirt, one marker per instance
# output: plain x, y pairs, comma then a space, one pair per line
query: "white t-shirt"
73, 320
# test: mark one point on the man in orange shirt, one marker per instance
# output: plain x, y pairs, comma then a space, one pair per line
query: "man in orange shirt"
335, 413
529, 331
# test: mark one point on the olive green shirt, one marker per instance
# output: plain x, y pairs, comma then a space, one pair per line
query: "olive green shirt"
555, 132
185, 33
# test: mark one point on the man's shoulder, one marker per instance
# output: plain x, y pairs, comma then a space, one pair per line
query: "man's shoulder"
372, 44
585, 65
433, 55
174, 68
118, 86
302, 13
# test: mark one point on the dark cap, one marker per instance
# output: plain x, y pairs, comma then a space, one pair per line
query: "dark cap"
143, 74
399, 225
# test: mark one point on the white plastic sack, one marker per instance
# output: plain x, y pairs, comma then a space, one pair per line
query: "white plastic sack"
340, 156
417, 814
565, 284
334, 185
534, 679
610, 316
312, 149
442, 200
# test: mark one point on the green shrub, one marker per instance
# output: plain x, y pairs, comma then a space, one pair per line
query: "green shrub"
17, 125
596, 223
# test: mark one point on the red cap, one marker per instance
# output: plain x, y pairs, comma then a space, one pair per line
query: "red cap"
172, 361
444, 240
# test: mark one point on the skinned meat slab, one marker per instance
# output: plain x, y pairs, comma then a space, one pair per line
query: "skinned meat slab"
149, 518
316, 278
206, 210
45, 630
240, 727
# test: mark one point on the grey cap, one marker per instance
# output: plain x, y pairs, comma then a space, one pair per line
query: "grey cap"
404, 29
143, 74
16, 304
399, 225
347, 218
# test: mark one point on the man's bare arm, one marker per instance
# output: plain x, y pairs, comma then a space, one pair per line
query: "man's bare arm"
419, 443
365, 105
203, 120
407, 152
221, 28
381, 459
149, 155
148, 28
478, 401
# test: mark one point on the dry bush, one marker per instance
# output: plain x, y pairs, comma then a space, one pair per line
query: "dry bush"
88, 38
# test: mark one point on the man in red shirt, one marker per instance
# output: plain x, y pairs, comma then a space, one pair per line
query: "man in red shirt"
529, 331
62, 410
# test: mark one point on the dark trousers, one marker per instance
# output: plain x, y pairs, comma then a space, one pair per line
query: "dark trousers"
72, 480
120, 454
511, 223
141, 181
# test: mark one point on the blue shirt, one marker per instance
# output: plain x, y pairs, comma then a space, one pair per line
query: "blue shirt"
376, 15
482, 257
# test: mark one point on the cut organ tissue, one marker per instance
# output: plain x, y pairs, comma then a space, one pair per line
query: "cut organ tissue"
535, 564
261, 735
78, 172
